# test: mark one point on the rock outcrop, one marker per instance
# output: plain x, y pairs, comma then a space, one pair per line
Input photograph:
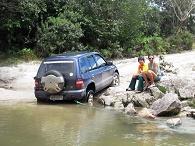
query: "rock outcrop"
168, 105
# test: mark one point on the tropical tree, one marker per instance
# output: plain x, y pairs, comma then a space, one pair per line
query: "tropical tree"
101, 26
9, 23
182, 10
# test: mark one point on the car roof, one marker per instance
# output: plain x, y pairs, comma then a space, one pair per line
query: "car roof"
69, 55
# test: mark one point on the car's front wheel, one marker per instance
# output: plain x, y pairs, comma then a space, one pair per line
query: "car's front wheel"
116, 80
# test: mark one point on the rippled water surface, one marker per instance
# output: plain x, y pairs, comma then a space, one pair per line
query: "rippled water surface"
70, 124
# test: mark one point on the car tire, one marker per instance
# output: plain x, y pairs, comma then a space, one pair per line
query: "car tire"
116, 80
89, 97
53, 81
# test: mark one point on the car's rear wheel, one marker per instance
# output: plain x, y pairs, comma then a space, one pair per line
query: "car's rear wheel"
40, 100
89, 97
53, 81
116, 80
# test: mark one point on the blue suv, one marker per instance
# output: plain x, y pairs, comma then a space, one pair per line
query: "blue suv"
74, 76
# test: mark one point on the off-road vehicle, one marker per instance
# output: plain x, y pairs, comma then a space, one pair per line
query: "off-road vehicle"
74, 76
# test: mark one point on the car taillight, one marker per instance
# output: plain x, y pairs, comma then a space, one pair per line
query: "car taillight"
36, 83
79, 83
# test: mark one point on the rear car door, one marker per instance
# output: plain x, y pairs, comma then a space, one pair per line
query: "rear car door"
95, 72
84, 66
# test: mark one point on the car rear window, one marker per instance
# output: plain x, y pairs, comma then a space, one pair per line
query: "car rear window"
66, 68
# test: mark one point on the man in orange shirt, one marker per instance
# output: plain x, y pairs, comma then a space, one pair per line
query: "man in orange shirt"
138, 76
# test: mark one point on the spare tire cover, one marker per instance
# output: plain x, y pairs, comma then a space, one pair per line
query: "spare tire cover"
53, 81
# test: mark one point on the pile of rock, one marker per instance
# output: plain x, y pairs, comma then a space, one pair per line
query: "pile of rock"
173, 95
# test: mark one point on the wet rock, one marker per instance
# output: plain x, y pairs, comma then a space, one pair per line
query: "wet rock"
174, 122
145, 113
106, 100
191, 113
130, 110
118, 105
100, 101
168, 105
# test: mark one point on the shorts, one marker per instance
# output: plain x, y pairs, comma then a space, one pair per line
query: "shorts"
157, 78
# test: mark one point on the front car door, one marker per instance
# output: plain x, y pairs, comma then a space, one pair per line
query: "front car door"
107, 70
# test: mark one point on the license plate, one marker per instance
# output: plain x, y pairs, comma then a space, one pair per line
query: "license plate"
56, 97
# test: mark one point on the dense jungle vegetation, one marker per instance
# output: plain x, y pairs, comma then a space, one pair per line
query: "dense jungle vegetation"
32, 29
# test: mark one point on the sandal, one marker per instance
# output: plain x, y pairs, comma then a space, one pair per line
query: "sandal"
129, 89
153, 85
138, 91
145, 88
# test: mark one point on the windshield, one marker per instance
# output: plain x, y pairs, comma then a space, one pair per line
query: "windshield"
66, 68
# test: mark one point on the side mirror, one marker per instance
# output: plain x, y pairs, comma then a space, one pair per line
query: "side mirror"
109, 63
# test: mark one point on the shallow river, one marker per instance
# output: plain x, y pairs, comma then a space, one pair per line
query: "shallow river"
70, 124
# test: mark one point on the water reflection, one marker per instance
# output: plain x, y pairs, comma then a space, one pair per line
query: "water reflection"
70, 124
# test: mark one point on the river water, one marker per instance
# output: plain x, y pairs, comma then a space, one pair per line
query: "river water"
70, 124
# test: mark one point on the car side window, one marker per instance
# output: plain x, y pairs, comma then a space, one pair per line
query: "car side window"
91, 62
83, 65
100, 61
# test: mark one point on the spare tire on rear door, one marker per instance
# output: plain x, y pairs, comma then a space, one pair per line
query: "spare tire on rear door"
53, 81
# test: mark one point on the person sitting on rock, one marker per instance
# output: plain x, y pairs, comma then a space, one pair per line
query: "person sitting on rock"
153, 74
138, 76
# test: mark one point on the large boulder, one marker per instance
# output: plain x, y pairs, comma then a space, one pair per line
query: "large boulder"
112, 96
168, 105
142, 100
183, 86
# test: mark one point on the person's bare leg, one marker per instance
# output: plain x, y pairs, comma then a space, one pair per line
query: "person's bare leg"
152, 79
150, 76
145, 76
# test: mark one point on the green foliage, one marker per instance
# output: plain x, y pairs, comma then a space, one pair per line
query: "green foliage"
133, 25
9, 61
28, 54
106, 53
114, 28
101, 26
182, 41
149, 45
162, 89
59, 34
154, 45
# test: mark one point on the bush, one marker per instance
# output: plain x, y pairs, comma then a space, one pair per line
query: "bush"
182, 41
28, 54
59, 34
149, 45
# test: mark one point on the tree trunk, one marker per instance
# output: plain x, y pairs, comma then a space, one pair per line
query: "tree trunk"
179, 27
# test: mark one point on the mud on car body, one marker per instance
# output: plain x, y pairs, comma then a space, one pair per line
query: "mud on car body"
74, 76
